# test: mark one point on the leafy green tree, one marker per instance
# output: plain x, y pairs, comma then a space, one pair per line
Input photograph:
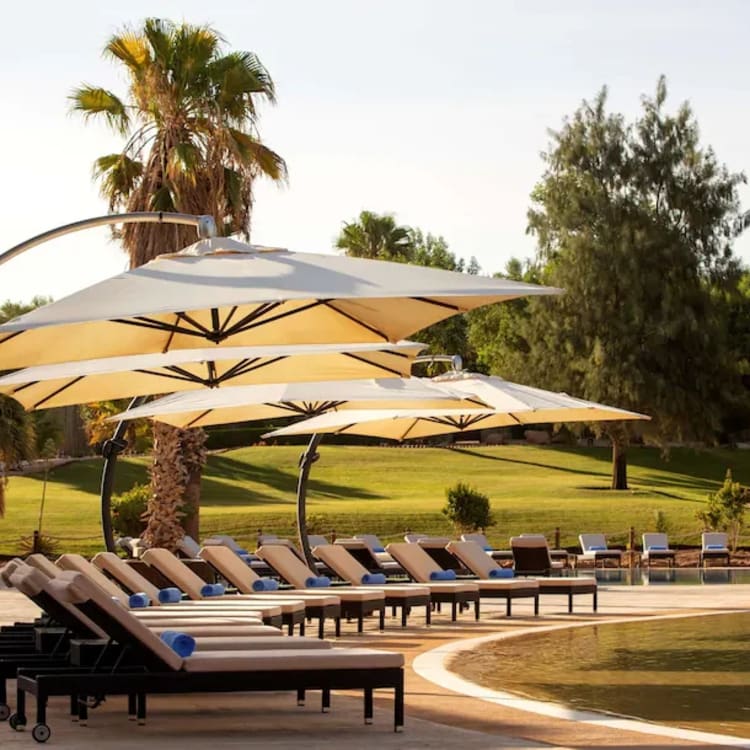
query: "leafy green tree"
192, 145
635, 222
725, 509
467, 508
376, 236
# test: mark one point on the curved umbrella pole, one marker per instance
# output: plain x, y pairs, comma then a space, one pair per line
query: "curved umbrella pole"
110, 450
307, 459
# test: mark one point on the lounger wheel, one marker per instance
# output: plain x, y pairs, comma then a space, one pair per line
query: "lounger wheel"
17, 723
41, 732
4, 711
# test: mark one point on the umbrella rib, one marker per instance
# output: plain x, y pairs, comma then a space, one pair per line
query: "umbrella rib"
373, 364
25, 386
243, 367
290, 406
435, 302
227, 320
242, 324
171, 328
353, 319
197, 419
11, 336
409, 429
58, 391
207, 332
173, 373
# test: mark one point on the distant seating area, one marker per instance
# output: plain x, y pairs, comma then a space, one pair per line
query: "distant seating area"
714, 547
594, 549
656, 549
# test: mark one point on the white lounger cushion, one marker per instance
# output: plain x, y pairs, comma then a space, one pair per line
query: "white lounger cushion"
418, 564
259, 643
473, 557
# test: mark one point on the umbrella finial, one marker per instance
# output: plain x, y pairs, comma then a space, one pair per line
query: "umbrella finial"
206, 227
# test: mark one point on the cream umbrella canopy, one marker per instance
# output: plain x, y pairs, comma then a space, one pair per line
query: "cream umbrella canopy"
220, 292
48, 386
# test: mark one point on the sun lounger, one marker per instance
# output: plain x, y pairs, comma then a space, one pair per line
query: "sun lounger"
435, 547
655, 548
375, 563
483, 542
355, 602
346, 567
531, 558
714, 547
162, 670
377, 547
422, 569
319, 606
594, 549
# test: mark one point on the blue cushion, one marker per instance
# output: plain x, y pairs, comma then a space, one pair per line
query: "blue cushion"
265, 584
443, 575
369, 579
181, 643
597, 549
501, 573
378, 549
240, 551
657, 548
170, 596
715, 546
317, 582
212, 589
139, 600
487, 549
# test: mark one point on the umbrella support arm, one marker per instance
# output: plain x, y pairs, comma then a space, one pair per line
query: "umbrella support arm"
110, 450
205, 225
307, 459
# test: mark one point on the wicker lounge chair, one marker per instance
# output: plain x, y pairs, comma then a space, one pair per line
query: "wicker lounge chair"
161, 670
421, 567
346, 567
656, 548
531, 558
594, 549
374, 562
355, 602
714, 547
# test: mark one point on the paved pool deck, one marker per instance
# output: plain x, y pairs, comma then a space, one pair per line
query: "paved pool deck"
437, 716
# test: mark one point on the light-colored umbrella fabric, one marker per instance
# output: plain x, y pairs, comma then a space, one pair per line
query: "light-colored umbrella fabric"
512, 404
224, 292
258, 402
67, 383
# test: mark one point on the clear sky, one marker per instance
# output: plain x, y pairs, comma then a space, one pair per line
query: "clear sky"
435, 111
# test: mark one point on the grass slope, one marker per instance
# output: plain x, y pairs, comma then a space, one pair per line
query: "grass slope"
388, 490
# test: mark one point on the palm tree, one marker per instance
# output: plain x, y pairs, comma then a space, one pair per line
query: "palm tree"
192, 146
375, 236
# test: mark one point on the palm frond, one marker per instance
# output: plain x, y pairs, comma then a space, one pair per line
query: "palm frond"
130, 48
183, 162
158, 35
251, 153
118, 175
94, 101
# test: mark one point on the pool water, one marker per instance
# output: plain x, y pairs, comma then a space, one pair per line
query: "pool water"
655, 576
691, 672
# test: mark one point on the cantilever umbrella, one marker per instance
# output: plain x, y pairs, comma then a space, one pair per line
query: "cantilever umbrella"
48, 386
511, 404
220, 292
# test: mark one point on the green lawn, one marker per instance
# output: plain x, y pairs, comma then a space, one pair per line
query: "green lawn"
388, 490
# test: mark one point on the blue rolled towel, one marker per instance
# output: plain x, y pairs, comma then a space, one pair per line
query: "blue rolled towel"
317, 582
443, 575
378, 549
265, 584
170, 596
212, 589
139, 600
241, 551
501, 573
713, 546
597, 549
487, 548
371, 578
181, 643
657, 548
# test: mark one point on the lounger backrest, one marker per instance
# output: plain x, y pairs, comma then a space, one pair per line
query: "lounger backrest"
654, 539
175, 571
80, 564
316, 540
592, 540
362, 552
340, 560
126, 575
42, 564
9, 568
715, 539
530, 554
286, 564
433, 542
111, 617
31, 582
473, 557
230, 567
371, 541
414, 560
480, 539
411, 538
188, 546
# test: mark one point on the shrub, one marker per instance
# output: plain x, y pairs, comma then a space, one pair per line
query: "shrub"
42, 544
726, 509
660, 522
128, 509
467, 508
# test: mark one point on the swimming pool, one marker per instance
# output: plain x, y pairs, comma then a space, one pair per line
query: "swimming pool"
691, 672
660, 575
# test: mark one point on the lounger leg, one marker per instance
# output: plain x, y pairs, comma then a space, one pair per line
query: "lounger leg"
321, 627
300, 697
403, 617
476, 608
536, 605
393, 611
360, 623
368, 705
382, 618
41, 709
302, 626
596, 600
338, 627
398, 704
507, 607
570, 603
74, 707
131, 706
141, 708
428, 614
83, 710
325, 700
453, 611
290, 628
21, 706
